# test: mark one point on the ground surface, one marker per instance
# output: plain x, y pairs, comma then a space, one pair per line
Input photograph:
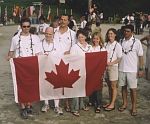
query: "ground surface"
9, 112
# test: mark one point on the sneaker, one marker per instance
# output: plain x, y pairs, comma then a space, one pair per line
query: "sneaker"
45, 108
58, 110
29, 110
24, 113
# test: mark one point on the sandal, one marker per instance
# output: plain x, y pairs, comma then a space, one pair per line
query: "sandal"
133, 113
106, 105
76, 113
121, 109
109, 109
67, 109
97, 110
85, 109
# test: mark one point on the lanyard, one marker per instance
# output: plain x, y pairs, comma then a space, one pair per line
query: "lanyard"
113, 51
131, 47
44, 48
31, 45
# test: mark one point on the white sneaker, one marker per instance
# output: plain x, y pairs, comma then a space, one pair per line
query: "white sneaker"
45, 108
58, 110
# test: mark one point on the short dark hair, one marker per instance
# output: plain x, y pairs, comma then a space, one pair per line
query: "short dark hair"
24, 20
83, 32
131, 27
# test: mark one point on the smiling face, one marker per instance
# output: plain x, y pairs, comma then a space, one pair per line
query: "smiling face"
81, 38
25, 27
49, 33
111, 36
96, 40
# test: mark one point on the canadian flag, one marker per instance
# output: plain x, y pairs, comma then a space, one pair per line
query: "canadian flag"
52, 77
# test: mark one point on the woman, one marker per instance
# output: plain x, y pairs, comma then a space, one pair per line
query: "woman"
147, 65
114, 50
80, 48
98, 45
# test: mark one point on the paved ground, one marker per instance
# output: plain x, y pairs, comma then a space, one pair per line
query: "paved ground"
9, 112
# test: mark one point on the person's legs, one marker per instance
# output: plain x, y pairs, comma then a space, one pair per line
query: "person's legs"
133, 100
45, 107
114, 95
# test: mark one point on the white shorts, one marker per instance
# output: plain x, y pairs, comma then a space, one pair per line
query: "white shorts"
128, 78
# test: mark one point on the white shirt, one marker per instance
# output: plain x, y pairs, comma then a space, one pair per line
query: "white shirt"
65, 41
114, 51
25, 45
79, 49
48, 48
42, 27
98, 49
83, 24
129, 61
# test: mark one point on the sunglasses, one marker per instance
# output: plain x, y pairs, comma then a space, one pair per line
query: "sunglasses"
26, 26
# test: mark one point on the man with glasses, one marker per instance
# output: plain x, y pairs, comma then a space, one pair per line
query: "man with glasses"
130, 66
23, 45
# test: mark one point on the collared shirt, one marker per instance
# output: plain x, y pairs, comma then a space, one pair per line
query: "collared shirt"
66, 40
47, 48
79, 49
27, 43
114, 51
98, 49
129, 61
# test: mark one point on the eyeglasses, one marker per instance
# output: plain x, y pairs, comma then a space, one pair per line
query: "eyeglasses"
26, 26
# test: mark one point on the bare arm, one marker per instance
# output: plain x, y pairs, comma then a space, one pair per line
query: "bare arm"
141, 63
143, 39
10, 55
114, 62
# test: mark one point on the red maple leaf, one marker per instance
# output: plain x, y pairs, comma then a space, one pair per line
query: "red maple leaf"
62, 78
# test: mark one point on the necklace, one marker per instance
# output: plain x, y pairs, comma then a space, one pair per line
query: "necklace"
131, 47
83, 49
31, 45
113, 51
44, 48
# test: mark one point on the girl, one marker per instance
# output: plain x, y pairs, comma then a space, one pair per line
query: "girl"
80, 48
98, 45
114, 50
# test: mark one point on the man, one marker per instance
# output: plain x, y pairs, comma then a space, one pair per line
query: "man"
48, 46
23, 45
65, 38
128, 71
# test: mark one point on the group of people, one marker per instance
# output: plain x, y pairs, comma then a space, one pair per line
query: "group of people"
124, 62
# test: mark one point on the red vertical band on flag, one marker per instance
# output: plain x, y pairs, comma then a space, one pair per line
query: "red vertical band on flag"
27, 78
95, 66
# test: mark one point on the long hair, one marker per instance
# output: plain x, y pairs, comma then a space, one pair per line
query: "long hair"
114, 31
101, 43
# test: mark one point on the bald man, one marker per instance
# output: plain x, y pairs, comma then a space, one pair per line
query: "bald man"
48, 46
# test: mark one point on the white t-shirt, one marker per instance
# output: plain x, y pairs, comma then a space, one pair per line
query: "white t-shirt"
25, 45
64, 41
83, 24
129, 61
42, 27
98, 49
48, 48
79, 49
114, 51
